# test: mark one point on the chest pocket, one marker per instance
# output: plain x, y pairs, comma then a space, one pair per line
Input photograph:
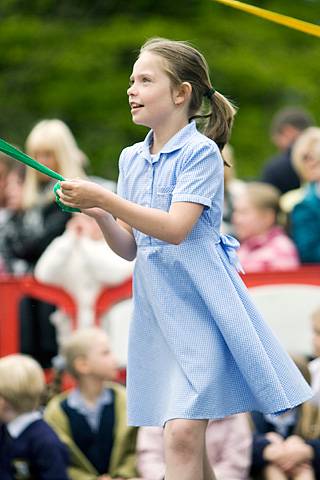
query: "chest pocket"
164, 197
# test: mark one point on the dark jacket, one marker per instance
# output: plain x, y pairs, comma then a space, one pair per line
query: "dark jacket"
280, 173
308, 417
36, 454
26, 235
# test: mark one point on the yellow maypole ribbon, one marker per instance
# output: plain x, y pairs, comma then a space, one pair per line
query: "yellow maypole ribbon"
290, 22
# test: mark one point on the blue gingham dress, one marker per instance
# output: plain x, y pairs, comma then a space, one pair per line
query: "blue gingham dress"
198, 347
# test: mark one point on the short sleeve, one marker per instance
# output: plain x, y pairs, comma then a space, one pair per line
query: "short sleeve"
200, 177
120, 184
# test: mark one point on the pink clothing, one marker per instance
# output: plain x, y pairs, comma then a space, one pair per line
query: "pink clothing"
228, 444
273, 250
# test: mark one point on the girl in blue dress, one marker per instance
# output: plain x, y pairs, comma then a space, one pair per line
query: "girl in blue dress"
198, 347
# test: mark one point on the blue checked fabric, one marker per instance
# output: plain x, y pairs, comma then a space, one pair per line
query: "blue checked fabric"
198, 347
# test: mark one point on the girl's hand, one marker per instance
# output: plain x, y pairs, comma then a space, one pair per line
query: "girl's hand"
81, 194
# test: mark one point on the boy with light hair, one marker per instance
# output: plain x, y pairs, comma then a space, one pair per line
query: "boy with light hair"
91, 419
28, 446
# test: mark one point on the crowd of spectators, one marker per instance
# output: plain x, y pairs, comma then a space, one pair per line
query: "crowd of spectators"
276, 218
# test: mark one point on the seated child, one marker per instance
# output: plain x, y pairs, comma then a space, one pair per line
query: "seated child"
29, 449
264, 244
314, 365
287, 446
228, 444
91, 419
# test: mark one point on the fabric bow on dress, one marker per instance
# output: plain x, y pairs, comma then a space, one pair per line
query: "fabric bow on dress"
230, 246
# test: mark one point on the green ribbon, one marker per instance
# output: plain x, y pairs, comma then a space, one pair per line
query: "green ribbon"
13, 152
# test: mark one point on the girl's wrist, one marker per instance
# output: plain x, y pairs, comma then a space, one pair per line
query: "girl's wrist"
104, 200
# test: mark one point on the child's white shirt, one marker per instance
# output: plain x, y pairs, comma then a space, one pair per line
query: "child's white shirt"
20, 423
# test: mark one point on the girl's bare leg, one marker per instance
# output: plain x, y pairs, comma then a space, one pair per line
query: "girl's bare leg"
207, 469
184, 446
271, 472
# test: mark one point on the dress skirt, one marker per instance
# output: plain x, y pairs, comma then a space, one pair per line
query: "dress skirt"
198, 346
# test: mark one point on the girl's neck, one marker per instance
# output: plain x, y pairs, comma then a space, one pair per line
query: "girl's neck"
90, 389
163, 133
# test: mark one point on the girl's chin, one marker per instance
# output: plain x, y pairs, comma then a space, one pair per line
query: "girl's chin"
138, 121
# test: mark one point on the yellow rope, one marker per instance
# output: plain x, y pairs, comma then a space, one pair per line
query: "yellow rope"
290, 22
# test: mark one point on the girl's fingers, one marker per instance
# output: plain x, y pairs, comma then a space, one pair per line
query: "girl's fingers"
63, 197
67, 185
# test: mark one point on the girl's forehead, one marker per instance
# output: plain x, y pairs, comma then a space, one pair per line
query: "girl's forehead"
148, 62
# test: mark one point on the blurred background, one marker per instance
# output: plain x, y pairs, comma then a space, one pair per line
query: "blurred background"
72, 60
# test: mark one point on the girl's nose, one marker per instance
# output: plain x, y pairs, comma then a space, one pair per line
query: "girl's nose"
131, 90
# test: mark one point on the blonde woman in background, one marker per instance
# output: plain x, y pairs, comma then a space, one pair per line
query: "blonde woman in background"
51, 143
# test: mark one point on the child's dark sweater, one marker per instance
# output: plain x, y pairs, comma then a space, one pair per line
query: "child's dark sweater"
36, 454
95, 445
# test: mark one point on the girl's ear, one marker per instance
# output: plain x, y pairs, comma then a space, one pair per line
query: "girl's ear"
183, 93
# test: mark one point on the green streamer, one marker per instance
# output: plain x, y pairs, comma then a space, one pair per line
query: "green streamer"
13, 152
63, 207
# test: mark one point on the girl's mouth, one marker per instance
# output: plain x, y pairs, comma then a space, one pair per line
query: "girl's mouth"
135, 106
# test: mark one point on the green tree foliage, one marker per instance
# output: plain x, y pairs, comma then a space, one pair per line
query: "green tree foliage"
72, 60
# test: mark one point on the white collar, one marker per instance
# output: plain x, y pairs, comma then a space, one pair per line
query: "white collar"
20, 423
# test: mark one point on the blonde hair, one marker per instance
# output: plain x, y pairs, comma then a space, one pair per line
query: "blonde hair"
263, 196
21, 382
78, 345
55, 136
308, 142
183, 63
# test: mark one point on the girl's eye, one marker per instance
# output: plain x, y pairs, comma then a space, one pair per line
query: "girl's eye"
145, 79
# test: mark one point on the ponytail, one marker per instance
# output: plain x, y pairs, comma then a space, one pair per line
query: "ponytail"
220, 121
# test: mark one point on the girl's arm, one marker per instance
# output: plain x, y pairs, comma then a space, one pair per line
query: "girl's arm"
171, 227
117, 234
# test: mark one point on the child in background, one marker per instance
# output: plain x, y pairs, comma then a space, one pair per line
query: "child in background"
287, 446
314, 365
91, 419
264, 244
228, 444
29, 449
198, 348
80, 262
